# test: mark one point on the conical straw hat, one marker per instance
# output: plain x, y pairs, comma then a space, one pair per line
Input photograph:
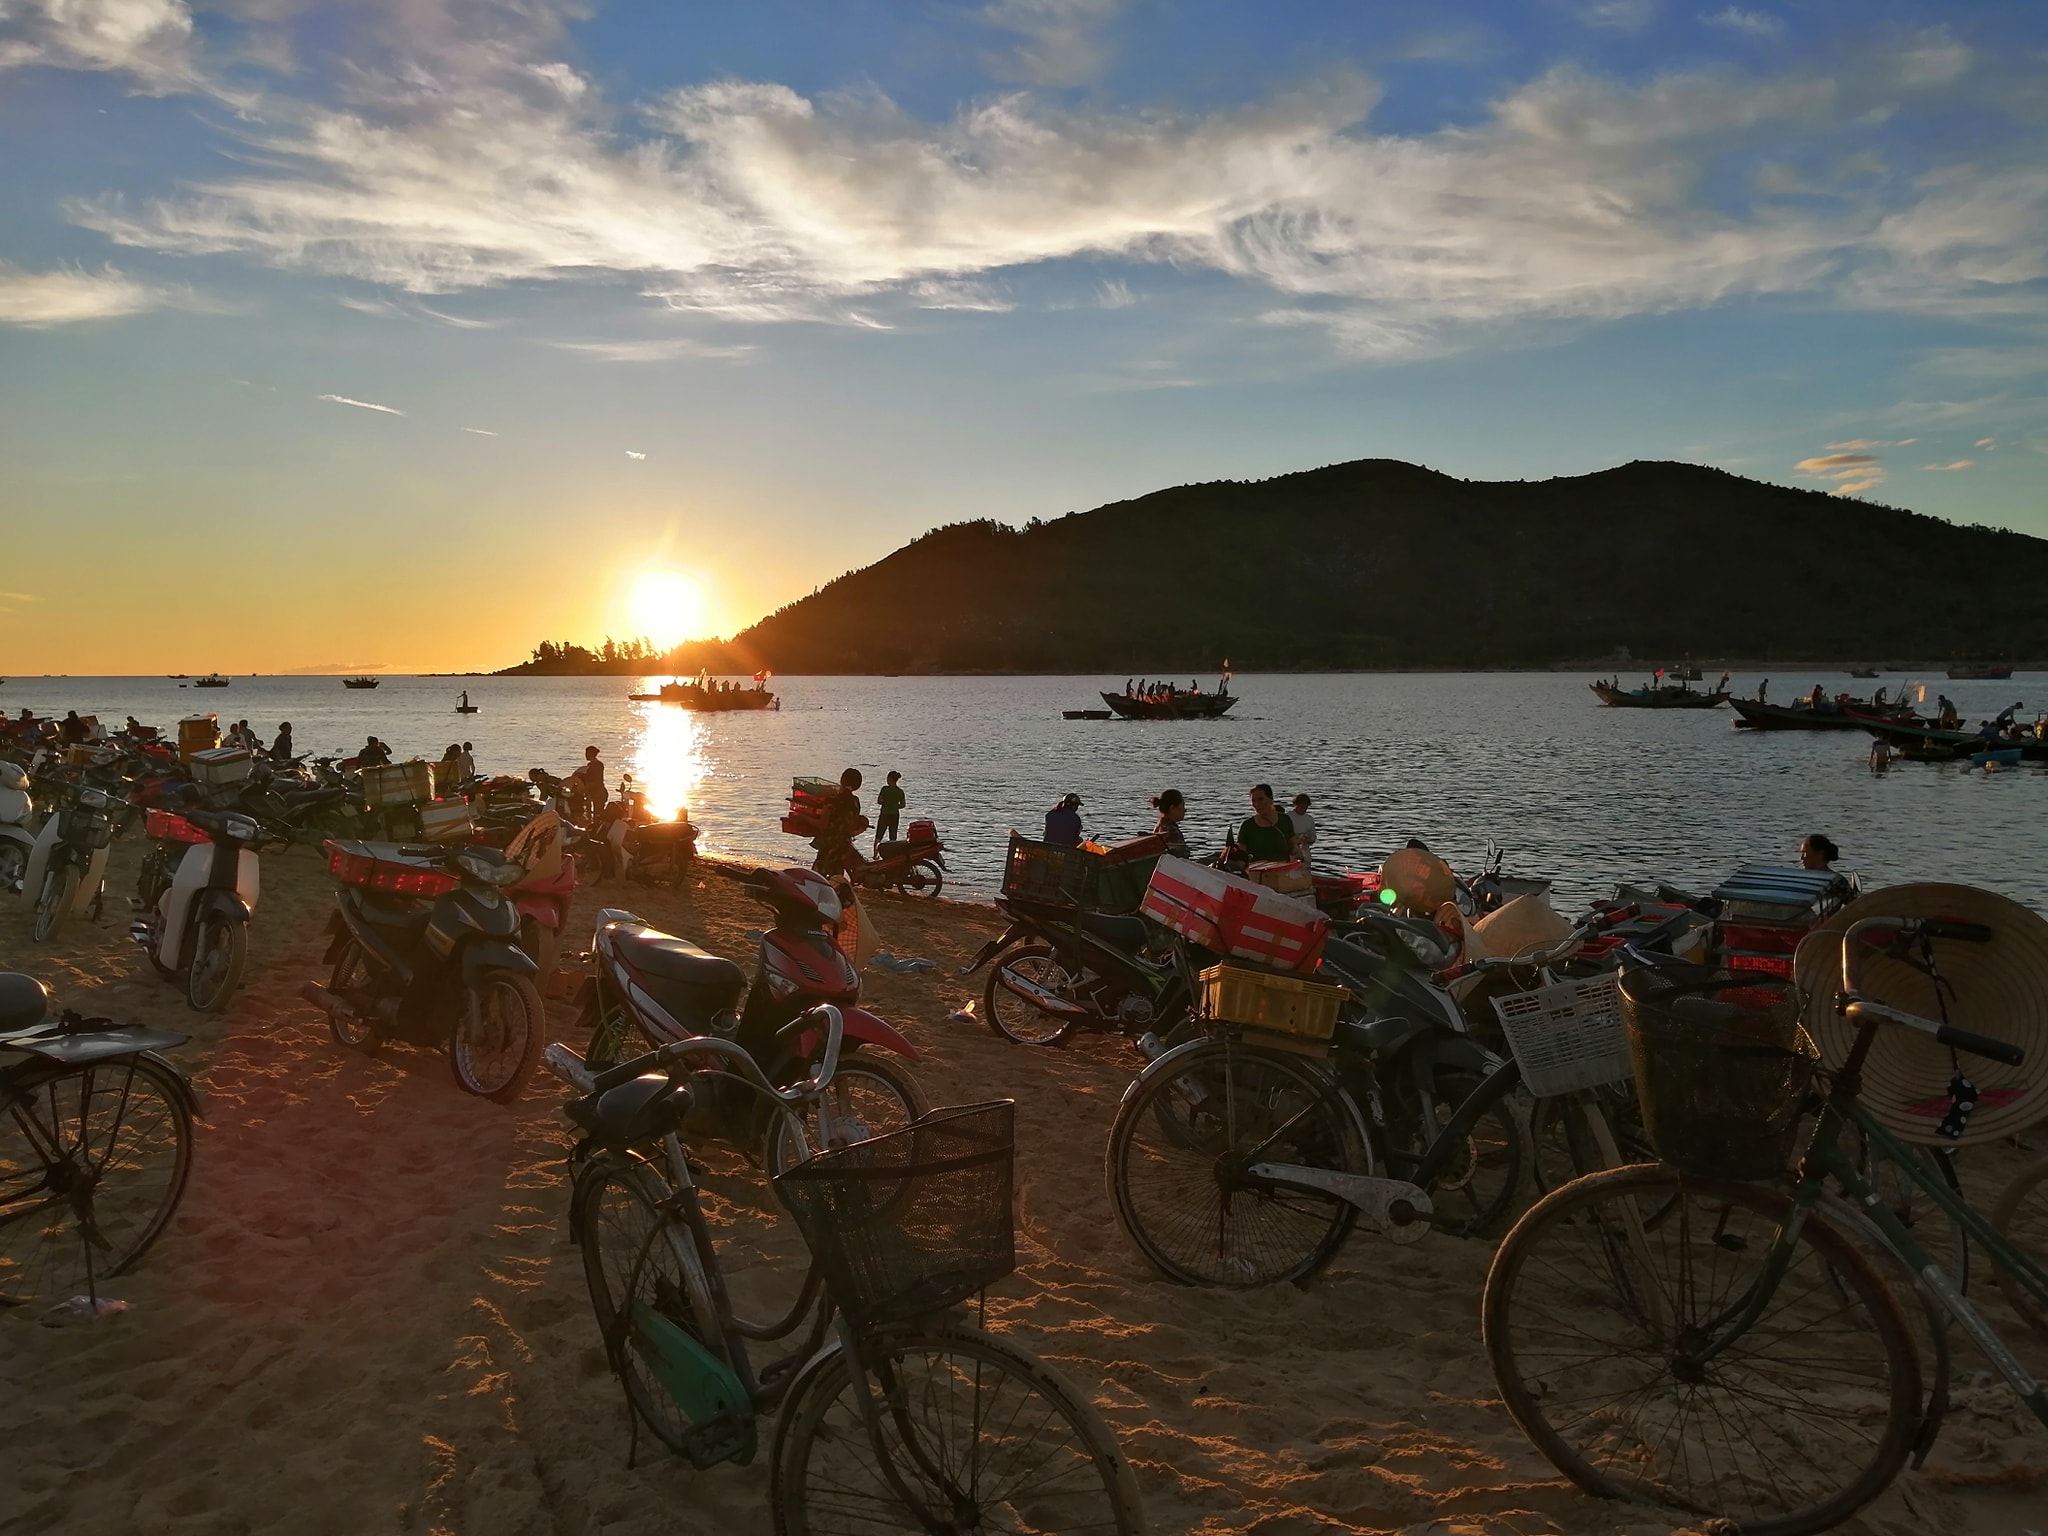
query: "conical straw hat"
2000, 990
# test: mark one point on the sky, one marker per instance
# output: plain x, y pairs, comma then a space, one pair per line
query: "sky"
405, 333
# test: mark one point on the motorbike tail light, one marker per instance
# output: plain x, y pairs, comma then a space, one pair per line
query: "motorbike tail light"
373, 874
173, 828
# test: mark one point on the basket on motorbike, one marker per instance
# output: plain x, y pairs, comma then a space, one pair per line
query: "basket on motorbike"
810, 807
1293, 1012
913, 1221
1721, 1065
1568, 1036
446, 821
216, 767
169, 827
922, 832
390, 785
196, 733
1101, 877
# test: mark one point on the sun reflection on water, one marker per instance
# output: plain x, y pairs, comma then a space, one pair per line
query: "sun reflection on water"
667, 759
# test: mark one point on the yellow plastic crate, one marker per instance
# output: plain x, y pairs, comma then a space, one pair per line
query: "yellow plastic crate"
1270, 1003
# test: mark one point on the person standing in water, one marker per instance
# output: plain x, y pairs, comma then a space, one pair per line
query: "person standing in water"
889, 802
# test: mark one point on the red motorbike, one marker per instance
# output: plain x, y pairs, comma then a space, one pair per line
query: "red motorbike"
662, 989
914, 865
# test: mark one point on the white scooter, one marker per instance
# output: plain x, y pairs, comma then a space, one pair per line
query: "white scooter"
198, 904
17, 842
67, 866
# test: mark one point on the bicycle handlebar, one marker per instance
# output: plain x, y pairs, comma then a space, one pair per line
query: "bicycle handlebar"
1854, 1005
726, 1051
1563, 949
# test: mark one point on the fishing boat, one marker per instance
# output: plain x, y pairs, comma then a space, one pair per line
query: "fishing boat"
361, 682
1659, 695
211, 680
1174, 704
1804, 714
1863, 671
702, 696
1906, 732
1980, 672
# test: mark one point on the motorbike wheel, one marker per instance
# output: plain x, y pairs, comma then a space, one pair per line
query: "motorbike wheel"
925, 879
870, 1096
1010, 1015
350, 971
60, 889
497, 1037
220, 949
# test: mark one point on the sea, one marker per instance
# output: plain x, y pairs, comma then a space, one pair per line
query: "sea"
1575, 793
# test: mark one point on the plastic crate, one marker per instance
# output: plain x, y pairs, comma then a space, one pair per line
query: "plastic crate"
216, 767
445, 821
1568, 1036
1120, 886
396, 784
1050, 873
1271, 1003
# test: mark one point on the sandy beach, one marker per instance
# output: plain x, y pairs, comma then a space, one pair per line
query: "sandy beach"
367, 1316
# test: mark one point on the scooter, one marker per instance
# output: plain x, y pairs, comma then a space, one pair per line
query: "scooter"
67, 866
663, 989
198, 892
1064, 968
424, 945
17, 842
915, 865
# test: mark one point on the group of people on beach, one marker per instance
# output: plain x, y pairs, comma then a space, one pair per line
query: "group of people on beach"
1268, 835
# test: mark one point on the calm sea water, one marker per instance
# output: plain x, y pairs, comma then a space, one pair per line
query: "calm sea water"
1580, 794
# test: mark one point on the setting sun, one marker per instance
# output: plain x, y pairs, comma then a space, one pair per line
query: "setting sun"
666, 607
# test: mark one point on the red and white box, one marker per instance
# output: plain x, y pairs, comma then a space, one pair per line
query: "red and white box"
1234, 916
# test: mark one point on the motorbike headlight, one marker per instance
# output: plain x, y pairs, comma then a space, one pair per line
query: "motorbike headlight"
93, 799
240, 828
490, 871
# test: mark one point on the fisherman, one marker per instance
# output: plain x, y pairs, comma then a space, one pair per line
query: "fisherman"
589, 783
281, 749
843, 823
1945, 712
1063, 822
374, 754
889, 801
1266, 835
73, 730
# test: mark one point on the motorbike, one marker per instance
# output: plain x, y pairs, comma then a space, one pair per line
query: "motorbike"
914, 865
662, 988
424, 945
1063, 968
197, 891
17, 842
68, 863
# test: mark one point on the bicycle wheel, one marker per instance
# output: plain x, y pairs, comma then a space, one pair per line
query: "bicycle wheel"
1941, 1235
1013, 1017
497, 1037
93, 1161
219, 951
980, 1434
868, 1096
2021, 1215
1479, 1183
1563, 1146
53, 905
1185, 1134
629, 1254
1595, 1324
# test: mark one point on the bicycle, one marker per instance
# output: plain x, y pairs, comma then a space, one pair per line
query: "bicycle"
892, 1412
95, 1147
1734, 1353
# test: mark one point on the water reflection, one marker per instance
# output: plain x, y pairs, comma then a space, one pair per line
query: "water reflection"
668, 759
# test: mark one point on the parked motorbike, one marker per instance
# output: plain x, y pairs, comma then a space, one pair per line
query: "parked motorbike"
67, 865
1062, 968
663, 989
197, 891
17, 842
425, 947
914, 865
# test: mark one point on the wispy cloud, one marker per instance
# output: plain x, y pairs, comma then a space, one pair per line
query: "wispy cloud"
69, 295
150, 41
409, 309
1985, 442
479, 431
659, 351
632, 455
1755, 23
1954, 464
1617, 15
1864, 444
1058, 42
361, 405
1851, 473
1115, 294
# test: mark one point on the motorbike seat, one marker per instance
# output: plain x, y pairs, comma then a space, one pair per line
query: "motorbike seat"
638, 1111
24, 1002
889, 848
1125, 932
688, 982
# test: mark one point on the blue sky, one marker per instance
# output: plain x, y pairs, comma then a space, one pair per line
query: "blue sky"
402, 332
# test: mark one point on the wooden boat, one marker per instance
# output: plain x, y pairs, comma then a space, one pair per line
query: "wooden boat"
713, 700
361, 682
1980, 672
1086, 714
1177, 705
1911, 730
1652, 696
212, 680
1802, 714
1863, 671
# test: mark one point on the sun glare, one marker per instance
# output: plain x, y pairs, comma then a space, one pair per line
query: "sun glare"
666, 607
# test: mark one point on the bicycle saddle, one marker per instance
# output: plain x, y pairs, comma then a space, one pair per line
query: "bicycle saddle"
24, 1002
641, 1110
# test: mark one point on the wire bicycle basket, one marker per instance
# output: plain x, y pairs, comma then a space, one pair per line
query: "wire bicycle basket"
1722, 1068
909, 1223
1567, 1036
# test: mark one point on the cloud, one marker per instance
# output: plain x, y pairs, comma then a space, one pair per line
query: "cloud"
1862, 444
1985, 442
660, 351
1059, 42
1828, 463
1573, 197
480, 432
1755, 23
361, 405
632, 455
411, 309
1852, 473
1858, 487
1616, 15
1954, 464
151, 41
68, 295
1115, 294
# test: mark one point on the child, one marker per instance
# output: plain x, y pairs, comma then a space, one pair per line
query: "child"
888, 808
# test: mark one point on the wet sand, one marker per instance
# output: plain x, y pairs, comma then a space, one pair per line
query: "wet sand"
367, 1316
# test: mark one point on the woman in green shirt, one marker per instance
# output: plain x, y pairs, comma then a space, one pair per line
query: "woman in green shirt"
1266, 834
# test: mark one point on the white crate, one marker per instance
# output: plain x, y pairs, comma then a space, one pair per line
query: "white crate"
219, 766
1568, 1036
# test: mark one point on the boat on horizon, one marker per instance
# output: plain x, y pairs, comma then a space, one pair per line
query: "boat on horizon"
361, 682
702, 696
1803, 714
1980, 672
1173, 704
1659, 694
211, 680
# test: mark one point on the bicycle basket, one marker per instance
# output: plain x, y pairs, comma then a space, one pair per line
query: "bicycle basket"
1568, 1036
1722, 1068
910, 1222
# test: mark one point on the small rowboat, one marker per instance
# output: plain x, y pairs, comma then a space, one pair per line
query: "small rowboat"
1171, 706
361, 682
1668, 696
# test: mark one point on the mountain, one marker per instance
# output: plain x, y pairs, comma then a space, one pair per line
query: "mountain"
1384, 564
